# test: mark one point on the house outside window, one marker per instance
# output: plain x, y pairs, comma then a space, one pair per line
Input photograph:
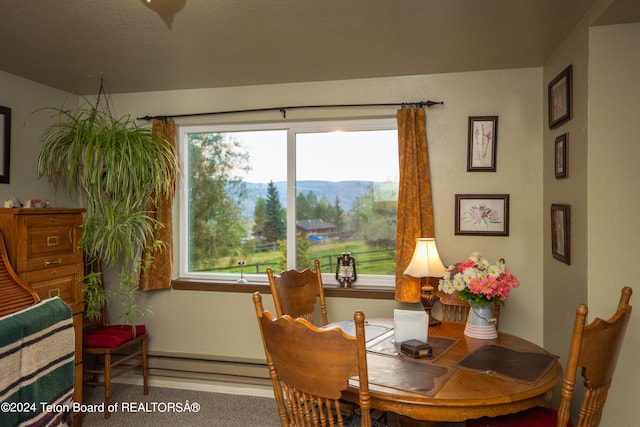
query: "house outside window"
280, 195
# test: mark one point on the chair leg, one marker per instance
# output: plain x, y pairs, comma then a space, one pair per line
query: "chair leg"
144, 366
94, 365
107, 384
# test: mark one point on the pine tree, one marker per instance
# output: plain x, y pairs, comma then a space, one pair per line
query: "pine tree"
274, 227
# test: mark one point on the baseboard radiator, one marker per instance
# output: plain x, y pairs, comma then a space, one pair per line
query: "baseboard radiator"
202, 367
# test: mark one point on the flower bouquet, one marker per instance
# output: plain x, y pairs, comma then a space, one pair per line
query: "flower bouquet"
478, 282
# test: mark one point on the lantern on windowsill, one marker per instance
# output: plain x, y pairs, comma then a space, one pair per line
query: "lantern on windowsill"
242, 263
346, 270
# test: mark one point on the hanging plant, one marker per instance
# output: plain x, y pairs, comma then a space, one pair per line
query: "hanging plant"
116, 169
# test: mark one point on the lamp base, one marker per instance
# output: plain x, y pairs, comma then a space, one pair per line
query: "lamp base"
428, 298
433, 321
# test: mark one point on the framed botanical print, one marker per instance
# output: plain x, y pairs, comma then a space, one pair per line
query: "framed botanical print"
482, 214
561, 151
560, 94
560, 232
482, 142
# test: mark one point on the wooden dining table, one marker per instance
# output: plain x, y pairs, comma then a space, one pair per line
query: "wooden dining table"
465, 378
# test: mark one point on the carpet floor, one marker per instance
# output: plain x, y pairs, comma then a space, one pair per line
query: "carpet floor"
178, 407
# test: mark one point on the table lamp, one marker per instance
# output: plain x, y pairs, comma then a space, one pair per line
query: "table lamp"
426, 263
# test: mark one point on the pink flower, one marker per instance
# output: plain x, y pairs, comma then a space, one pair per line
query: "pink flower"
493, 215
483, 282
467, 263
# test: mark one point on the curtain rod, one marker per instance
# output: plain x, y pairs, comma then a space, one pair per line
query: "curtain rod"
283, 110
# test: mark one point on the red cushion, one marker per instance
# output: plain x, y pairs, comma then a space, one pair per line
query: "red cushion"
534, 417
110, 336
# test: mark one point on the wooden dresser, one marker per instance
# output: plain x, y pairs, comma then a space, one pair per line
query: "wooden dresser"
42, 245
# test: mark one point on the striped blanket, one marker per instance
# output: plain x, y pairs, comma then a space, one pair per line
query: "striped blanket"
37, 365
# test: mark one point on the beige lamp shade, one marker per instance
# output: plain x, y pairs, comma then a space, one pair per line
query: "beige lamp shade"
426, 261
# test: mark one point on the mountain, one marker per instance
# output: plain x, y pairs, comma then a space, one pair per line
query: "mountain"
346, 191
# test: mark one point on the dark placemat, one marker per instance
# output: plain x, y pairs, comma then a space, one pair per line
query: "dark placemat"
510, 364
385, 345
407, 375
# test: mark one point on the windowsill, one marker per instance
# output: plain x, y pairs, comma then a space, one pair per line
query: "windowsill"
181, 284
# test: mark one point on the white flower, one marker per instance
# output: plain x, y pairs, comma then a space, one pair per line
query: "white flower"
494, 270
469, 274
458, 283
446, 287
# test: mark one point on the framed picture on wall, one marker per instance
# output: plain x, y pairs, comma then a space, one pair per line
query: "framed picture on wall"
482, 214
560, 232
560, 93
5, 144
561, 150
483, 139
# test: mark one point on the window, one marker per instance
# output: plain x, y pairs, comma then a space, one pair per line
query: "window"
279, 196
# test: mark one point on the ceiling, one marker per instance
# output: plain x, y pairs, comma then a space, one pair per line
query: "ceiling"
184, 44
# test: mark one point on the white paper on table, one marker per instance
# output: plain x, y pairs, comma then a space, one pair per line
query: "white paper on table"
410, 325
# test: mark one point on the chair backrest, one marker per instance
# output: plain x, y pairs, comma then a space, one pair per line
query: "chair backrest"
296, 293
15, 295
594, 348
453, 309
310, 367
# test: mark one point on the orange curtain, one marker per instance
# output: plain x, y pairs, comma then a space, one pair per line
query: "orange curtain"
415, 209
160, 273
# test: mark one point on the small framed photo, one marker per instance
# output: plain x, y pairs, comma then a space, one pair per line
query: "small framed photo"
561, 150
5, 144
482, 214
560, 232
560, 93
483, 139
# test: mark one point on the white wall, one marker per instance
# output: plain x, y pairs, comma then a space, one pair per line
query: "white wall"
602, 191
227, 320
614, 202
565, 286
25, 98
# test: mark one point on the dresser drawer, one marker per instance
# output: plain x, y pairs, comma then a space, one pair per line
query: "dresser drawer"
50, 241
59, 281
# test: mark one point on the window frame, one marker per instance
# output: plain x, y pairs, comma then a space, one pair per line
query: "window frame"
292, 128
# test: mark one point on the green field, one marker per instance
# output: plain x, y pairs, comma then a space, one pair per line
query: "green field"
369, 260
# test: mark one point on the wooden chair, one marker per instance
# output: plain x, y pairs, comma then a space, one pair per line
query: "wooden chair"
455, 310
310, 367
296, 293
121, 349
595, 348
15, 295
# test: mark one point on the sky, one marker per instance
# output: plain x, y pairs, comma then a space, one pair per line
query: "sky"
334, 156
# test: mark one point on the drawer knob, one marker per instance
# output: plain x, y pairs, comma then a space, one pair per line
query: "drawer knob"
52, 219
53, 262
